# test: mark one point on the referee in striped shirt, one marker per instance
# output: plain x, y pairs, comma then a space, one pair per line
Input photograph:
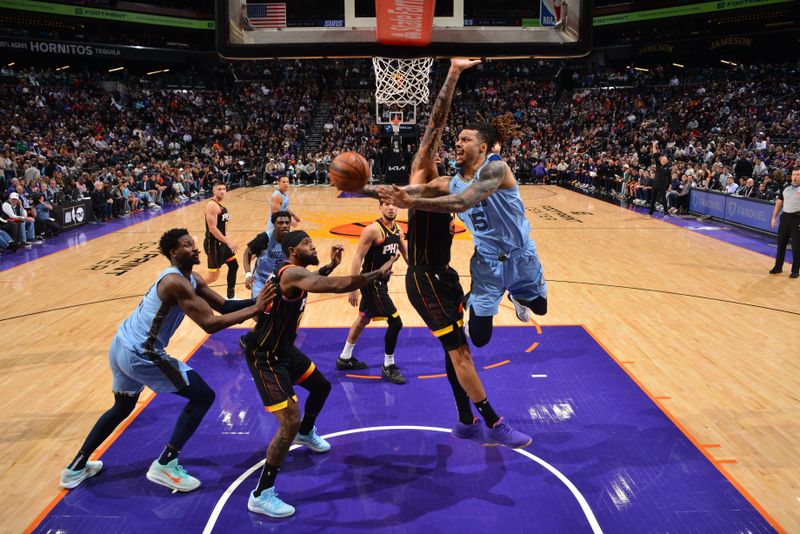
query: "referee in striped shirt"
789, 200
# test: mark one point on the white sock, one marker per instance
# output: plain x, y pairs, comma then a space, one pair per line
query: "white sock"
347, 351
388, 359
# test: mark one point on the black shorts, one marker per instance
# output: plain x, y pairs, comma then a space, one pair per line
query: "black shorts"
275, 376
436, 294
376, 304
218, 253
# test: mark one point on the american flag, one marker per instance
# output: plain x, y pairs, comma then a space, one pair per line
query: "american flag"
267, 15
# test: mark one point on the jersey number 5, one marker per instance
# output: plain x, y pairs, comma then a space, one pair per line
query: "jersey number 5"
479, 221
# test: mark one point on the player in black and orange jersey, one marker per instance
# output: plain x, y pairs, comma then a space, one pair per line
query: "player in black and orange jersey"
433, 286
220, 249
379, 242
276, 364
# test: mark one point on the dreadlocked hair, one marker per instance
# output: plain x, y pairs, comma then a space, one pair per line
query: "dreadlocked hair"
498, 130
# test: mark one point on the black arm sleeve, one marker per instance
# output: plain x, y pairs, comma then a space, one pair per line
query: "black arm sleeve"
232, 305
259, 244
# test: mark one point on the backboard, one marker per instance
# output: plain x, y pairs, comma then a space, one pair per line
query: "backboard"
346, 28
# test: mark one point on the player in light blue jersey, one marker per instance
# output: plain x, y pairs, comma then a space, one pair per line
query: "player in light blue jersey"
485, 194
138, 358
266, 249
279, 201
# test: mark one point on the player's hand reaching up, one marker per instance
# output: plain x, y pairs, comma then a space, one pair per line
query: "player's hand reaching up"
336, 255
386, 269
461, 64
396, 196
265, 296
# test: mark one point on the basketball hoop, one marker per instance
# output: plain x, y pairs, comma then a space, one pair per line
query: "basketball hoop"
398, 80
401, 83
396, 120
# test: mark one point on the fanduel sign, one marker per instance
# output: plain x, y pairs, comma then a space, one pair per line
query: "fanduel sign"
744, 211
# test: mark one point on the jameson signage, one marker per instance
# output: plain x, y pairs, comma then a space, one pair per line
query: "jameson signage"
41, 47
682, 11
106, 14
656, 48
730, 42
720, 44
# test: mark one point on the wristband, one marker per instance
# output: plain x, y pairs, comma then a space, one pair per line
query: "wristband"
248, 275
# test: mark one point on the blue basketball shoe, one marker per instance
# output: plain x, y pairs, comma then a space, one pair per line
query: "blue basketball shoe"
269, 504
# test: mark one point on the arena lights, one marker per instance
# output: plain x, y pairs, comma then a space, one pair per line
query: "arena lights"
115, 69
11, 64
678, 65
157, 72
731, 63
640, 69
64, 67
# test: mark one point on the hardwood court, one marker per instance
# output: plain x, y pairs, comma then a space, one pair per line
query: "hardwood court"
697, 322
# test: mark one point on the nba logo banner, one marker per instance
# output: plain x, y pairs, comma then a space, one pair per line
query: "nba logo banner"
550, 13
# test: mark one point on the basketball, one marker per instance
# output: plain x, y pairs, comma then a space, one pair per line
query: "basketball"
349, 172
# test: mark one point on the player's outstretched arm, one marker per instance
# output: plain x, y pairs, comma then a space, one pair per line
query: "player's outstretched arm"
175, 288
489, 179
437, 187
304, 279
423, 167
336, 259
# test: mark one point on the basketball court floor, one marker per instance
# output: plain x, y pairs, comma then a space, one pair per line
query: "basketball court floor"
660, 389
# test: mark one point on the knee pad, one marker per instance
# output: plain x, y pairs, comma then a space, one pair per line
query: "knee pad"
198, 392
480, 328
316, 382
395, 323
123, 405
537, 305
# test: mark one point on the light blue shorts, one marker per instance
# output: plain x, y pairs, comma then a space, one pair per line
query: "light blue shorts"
132, 371
258, 285
521, 274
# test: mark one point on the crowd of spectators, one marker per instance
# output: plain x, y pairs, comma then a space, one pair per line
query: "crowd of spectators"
134, 145
734, 131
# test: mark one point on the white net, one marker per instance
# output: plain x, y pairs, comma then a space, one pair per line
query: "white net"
402, 81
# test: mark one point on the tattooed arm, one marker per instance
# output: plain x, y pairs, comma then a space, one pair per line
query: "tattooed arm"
435, 188
370, 191
490, 178
423, 168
